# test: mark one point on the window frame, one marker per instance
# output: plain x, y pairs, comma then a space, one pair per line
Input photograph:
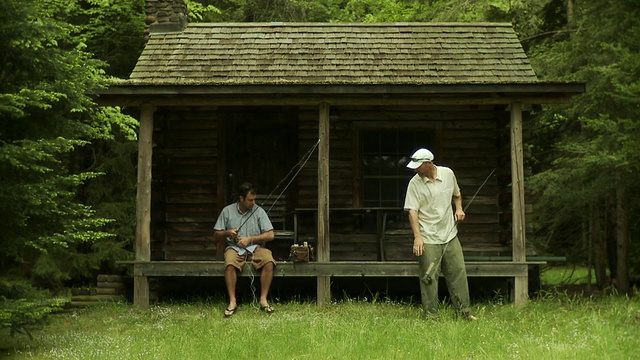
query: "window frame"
399, 154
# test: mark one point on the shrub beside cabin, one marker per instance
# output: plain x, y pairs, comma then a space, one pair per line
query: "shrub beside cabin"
223, 103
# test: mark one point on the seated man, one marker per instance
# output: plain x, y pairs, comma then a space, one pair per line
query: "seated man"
245, 227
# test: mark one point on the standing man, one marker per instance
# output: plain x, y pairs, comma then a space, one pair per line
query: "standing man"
246, 227
435, 235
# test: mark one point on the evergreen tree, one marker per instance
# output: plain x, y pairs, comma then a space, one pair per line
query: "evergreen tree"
47, 121
593, 166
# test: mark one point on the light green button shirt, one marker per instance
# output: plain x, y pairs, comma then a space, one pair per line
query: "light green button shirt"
432, 200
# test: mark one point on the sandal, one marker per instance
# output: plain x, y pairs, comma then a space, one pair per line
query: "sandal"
267, 308
229, 312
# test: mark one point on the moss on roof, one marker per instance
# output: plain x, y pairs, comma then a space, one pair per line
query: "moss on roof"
334, 54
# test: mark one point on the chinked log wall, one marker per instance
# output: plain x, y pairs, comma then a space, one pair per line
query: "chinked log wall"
188, 192
473, 141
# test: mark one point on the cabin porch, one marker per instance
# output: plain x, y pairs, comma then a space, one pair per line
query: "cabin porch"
204, 131
394, 279
475, 268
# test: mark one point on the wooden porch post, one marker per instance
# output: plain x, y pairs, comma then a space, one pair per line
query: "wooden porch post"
324, 282
143, 204
517, 196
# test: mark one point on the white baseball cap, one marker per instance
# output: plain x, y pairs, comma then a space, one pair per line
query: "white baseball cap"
419, 157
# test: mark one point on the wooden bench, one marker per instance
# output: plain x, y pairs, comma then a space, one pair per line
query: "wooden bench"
495, 268
276, 208
501, 267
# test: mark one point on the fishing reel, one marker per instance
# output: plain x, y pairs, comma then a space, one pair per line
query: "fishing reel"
427, 278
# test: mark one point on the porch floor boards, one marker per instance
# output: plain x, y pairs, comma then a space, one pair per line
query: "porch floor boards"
333, 268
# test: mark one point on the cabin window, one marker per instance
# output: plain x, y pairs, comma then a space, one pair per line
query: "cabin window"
385, 154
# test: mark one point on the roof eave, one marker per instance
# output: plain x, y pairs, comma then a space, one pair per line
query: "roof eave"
332, 89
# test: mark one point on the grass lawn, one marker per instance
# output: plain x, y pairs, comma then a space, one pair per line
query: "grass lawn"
553, 326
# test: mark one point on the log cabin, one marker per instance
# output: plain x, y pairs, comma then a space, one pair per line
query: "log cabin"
322, 117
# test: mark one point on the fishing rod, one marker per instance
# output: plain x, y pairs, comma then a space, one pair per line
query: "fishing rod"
299, 165
428, 277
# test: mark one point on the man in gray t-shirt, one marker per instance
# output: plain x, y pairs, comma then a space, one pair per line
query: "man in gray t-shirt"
245, 227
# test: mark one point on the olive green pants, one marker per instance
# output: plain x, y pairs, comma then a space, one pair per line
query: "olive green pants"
454, 271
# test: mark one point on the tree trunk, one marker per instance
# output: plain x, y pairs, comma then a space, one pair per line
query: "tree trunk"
570, 18
599, 247
589, 240
610, 239
622, 237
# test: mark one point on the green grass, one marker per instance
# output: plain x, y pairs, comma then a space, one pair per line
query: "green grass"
566, 275
554, 326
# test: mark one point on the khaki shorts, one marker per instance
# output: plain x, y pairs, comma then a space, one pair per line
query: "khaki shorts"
258, 259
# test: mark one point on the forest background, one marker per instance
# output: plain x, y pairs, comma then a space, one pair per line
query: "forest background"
68, 167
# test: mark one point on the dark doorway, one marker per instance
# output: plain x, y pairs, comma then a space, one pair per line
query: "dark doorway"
261, 148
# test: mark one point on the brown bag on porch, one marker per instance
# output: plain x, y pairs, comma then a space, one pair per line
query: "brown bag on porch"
301, 253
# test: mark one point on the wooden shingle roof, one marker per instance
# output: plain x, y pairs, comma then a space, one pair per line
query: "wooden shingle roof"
334, 54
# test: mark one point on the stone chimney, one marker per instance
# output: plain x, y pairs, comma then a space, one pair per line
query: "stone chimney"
166, 16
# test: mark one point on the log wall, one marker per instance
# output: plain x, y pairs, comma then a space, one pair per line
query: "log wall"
472, 140
190, 168
184, 185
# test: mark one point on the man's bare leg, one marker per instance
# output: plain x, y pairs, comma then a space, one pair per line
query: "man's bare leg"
231, 279
266, 277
